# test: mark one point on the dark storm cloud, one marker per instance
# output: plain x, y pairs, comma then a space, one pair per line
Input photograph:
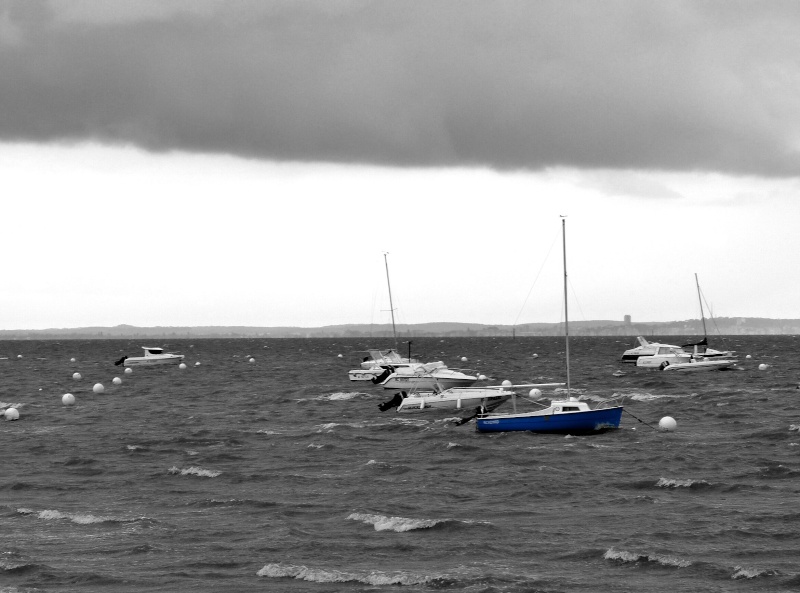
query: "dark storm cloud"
674, 86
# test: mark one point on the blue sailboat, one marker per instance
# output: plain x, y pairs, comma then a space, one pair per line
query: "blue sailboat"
564, 416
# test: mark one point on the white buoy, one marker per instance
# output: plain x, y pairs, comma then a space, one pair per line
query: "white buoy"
481, 377
98, 388
128, 371
667, 423
340, 356
535, 393
506, 383
116, 381
76, 376
12, 414
762, 367
197, 364
19, 355
536, 356
748, 356
252, 360
182, 366
463, 359
68, 399
72, 360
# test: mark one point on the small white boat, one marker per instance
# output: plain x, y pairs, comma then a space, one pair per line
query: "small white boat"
152, 356
644, 348
670, 358
373, 363
431, 376
457, 399
701, 348
663, 357
699, 364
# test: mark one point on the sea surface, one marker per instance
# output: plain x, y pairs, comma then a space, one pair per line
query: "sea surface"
281, 475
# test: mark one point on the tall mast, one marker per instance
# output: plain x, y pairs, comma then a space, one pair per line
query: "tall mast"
391, 305
566, 314
702, 315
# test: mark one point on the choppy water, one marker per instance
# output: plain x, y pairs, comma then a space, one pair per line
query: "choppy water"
281, 475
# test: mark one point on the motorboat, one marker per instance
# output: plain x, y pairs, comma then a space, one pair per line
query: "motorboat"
152, 357
670, 358
663, 357
373, 363
696, 352
644, 348
565, 416
456, 399
426, 376
699, 364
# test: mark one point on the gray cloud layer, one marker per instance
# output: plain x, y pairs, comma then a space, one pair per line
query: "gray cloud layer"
506, 84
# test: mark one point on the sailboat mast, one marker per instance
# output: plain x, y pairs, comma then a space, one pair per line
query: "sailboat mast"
391, 305
700, 298
566, 314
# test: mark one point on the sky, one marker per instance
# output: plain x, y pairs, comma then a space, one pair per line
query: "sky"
202, 162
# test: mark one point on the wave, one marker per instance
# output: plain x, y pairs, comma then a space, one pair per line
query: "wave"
677, 483
398, 524
78, 518
337, 396
750, 573
638, 557
647, 397
321, 575
342, 395
194, 471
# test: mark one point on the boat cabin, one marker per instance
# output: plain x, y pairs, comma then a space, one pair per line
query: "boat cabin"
571, 405
152, 351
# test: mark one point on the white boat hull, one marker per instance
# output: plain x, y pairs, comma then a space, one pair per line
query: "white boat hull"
153, 360
427, 383
454, 400
696, 366
364, 374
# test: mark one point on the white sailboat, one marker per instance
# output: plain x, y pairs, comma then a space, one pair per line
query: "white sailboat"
379, 364
701, 357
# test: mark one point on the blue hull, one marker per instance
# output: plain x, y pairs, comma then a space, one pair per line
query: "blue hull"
593, 421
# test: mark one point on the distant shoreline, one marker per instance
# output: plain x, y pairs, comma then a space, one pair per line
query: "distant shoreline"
728, 326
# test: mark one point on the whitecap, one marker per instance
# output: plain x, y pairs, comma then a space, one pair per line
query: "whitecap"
795, 427
633, 557
398, 524
740, 572
453, 445
327, 427
79, 518
194, 471
321, 575
315, 446
675, 483
342, 395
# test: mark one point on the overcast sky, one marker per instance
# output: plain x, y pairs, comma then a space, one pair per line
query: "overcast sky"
204, 162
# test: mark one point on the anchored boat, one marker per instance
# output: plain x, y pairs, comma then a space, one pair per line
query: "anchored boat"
152, 356
565, 416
